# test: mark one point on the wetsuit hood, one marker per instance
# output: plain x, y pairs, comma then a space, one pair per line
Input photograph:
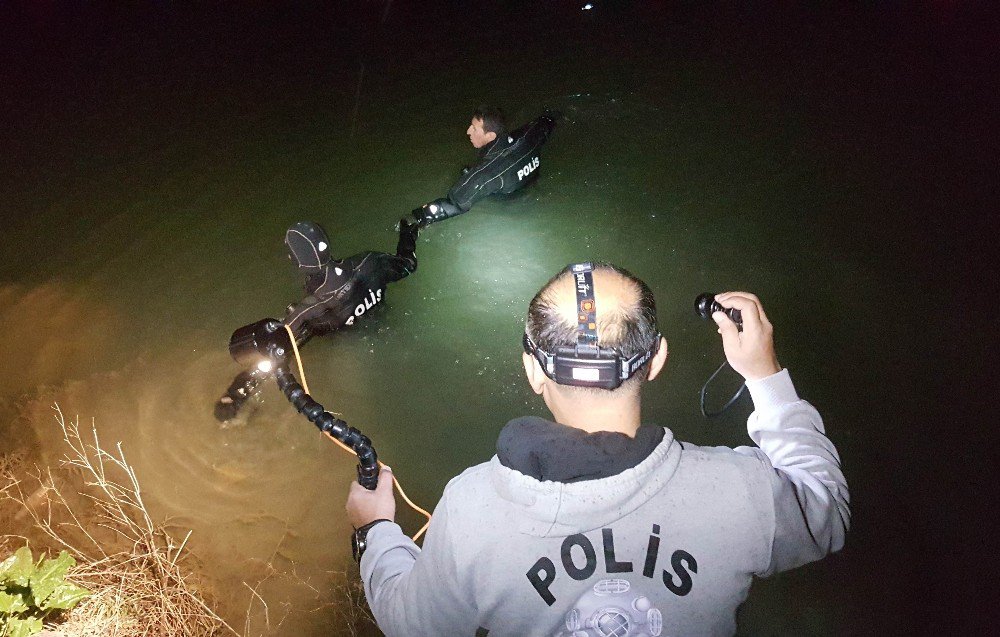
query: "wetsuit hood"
308, 246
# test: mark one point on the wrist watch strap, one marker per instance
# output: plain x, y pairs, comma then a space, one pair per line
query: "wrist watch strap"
359, 538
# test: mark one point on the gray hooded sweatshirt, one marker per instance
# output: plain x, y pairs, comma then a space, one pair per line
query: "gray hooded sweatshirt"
667, 547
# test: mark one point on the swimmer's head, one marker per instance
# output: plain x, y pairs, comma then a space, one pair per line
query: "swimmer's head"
308, 246
487, 124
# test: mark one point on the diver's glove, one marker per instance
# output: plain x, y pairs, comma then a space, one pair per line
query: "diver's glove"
408, 228
242, 388
437, 210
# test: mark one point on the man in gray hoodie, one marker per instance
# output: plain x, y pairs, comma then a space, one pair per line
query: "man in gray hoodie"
594, 525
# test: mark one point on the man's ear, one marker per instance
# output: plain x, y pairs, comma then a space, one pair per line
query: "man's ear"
489, 136
533, 372
659, 360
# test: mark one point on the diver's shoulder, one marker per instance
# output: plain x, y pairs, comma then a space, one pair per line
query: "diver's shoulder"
356, 262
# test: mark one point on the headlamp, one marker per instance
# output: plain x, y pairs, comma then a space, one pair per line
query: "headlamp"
587, 364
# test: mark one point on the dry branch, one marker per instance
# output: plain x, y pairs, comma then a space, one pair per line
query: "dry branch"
135, 569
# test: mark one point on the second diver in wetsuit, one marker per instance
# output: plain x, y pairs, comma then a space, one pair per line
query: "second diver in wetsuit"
507, 162
338, 293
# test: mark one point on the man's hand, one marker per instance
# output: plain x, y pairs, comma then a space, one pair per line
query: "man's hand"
750, 352
423, 216
364, 506
405, 226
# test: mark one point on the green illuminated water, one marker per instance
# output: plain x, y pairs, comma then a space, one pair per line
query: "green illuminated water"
149, 187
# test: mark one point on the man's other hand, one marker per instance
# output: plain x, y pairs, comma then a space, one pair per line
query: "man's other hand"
406, 226
364, 506
750, 352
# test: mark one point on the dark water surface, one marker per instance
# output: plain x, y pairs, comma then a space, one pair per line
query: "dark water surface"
828, 160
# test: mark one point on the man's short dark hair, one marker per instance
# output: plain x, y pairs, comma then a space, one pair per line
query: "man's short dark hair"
630, 328
493, 118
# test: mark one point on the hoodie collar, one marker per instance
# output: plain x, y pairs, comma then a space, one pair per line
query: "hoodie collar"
551, 508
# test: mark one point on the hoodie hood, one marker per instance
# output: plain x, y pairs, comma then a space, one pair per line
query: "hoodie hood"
551, 508
545, 450
308, 246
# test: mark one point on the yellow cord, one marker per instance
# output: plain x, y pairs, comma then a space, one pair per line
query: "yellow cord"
399, 487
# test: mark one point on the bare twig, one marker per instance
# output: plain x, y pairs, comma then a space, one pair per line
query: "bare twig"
135, 574
140, 575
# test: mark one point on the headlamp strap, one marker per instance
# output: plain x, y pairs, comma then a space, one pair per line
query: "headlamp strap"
629, 366
586, 306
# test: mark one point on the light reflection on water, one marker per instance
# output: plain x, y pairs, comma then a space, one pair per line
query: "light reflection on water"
130, 321
430, 376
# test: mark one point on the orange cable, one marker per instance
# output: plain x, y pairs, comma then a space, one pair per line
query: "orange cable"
399, 487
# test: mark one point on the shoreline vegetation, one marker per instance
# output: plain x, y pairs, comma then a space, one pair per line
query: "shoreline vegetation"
142, 579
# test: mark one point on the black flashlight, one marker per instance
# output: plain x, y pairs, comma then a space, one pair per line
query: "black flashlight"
706, 305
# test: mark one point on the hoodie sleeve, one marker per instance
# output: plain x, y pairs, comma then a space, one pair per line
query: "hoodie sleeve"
811, 501
414, 591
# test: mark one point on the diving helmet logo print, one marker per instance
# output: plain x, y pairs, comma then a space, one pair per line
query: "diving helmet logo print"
608, 609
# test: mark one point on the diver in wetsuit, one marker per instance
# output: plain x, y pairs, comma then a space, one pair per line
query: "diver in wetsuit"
338, 293
506, 163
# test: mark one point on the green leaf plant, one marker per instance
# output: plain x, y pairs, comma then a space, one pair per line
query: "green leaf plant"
30, 591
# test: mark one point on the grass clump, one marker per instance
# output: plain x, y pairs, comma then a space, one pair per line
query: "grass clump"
137, 575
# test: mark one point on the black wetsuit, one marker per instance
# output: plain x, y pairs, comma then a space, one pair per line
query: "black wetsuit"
339, 292
346, 289
504, 166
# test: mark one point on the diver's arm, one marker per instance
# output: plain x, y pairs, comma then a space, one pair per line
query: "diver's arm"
478, 183
437, 210
473, 186
406, 250
414, 591
393, 267
475, 183
811, 501
464, 194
